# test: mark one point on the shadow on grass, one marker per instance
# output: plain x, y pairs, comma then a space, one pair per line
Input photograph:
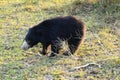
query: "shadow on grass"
96, 15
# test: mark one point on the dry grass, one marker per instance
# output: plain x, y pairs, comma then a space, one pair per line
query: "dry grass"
101, 46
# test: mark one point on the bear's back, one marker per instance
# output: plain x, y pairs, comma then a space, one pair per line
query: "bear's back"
68, 22
63, 27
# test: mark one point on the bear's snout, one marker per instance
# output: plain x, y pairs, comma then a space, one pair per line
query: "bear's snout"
25, 45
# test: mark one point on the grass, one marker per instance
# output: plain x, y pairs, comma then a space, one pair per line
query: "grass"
102, 43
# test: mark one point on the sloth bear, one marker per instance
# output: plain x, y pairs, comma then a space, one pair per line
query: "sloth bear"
53, 32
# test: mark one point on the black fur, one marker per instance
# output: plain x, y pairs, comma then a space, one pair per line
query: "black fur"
52, 31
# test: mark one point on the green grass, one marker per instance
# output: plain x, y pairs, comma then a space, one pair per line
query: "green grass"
102, 42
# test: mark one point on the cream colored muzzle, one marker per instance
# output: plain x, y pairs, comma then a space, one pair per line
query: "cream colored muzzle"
25, 45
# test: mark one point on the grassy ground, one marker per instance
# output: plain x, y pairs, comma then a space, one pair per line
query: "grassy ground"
101, 46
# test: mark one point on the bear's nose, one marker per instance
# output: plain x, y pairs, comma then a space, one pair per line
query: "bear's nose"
25, 45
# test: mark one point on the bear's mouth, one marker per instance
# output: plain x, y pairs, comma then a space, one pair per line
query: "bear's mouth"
25, 45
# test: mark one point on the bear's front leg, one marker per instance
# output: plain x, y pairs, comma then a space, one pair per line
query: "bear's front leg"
45, 46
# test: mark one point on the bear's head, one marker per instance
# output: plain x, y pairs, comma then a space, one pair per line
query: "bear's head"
32, 38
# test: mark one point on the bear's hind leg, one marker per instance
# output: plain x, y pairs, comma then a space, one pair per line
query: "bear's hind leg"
73, 46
